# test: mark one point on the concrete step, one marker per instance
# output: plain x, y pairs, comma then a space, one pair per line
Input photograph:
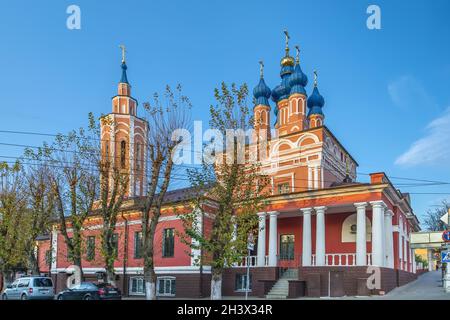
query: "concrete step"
276, 296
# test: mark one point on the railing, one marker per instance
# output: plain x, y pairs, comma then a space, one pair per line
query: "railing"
251, 261
331, 259
341, 259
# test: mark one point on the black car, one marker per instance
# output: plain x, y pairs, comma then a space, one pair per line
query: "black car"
90, 291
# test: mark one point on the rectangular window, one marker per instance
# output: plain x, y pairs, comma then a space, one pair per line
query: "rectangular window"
166, 286
241, 282
68, 254
137, 286
138, 245
168, 242
115, 243
283, 188
48, 257
287, 247
90, 248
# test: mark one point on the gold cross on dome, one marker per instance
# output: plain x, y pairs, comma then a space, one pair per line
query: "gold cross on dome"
287, 37
297, 48
123, 52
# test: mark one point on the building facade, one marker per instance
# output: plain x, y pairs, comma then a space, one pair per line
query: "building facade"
320, 234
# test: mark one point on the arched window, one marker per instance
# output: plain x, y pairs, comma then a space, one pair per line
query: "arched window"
107, 150
348, 233
123, 148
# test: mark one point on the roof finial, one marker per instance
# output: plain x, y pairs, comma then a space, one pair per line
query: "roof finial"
123, 52
315, 78
297, 57
287, 41
261, 68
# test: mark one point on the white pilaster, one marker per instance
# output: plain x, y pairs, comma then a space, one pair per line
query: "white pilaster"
306, 245
310, 178
377, 233
54, 251
320, 236
261, 254
361, 241
316, 177
273, 235
198, 226
389, 240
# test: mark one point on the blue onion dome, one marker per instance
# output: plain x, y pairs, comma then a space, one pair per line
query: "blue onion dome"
262, 93
124, 78
298, 80
315, 102
280, 92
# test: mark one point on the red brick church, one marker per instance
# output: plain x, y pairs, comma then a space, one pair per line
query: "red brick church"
318, 235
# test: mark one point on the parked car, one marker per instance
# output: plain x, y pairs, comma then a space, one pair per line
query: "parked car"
30, 288
90, 291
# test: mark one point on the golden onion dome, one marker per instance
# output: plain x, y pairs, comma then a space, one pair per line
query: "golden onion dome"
287, 61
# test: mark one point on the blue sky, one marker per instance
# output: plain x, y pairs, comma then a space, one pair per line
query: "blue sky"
386, 91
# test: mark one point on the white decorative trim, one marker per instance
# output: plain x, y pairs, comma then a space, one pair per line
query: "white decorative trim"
140, 270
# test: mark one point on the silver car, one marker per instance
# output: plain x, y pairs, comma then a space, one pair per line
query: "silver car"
29, 288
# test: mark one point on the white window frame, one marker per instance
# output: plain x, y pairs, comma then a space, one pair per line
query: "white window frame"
165, 278
131, 286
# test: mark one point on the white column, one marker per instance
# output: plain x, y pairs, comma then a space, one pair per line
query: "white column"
307, 241
361, 241
377, 233
400, 243
261, 258
273, 235
405, 254
389, 241
430, 260
320, 236
413, 257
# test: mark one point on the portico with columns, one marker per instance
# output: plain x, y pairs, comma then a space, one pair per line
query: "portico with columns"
355, 227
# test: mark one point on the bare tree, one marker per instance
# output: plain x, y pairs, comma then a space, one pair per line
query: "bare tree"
164, 118
74, 181
113, 187
41, 208
432, 219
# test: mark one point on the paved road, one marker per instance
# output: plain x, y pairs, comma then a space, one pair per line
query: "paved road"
427, 287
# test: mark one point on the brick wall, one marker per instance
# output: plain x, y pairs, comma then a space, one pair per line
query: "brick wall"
390, 278
229, 276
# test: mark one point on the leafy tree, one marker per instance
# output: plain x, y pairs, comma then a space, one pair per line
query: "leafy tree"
236, 186
13, 221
